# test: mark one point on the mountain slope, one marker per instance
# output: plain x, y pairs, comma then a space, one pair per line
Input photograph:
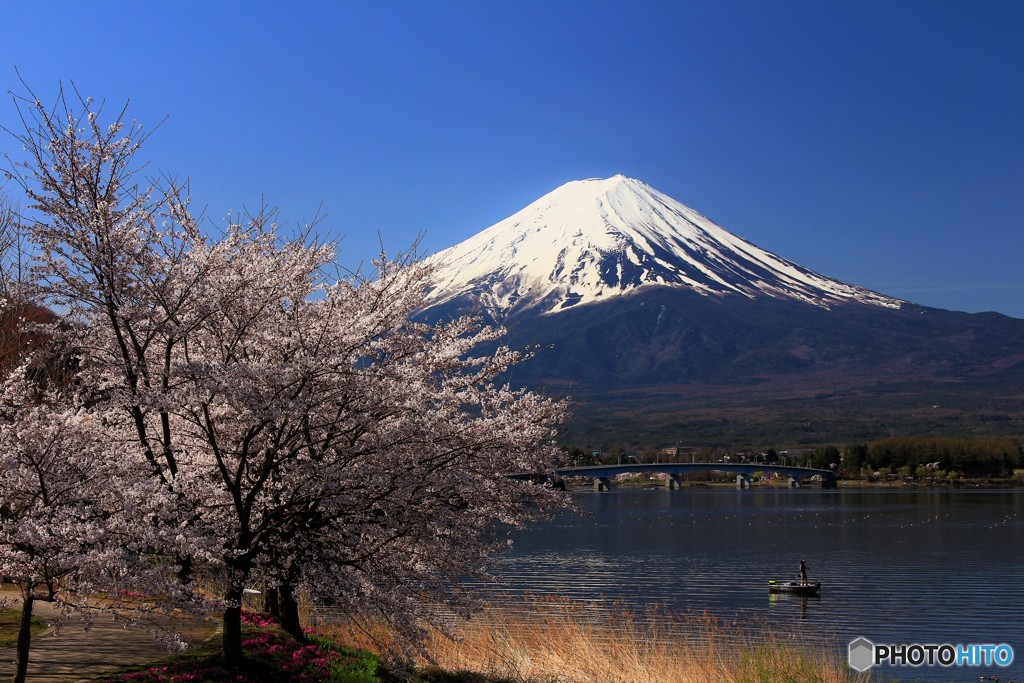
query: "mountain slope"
666, 327
592, 240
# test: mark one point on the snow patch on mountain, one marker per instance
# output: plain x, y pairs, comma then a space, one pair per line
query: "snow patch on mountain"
590, 240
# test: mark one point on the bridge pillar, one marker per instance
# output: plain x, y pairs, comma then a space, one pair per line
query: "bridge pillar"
602, 484
794, 483
673, 482
742, 481
828, 481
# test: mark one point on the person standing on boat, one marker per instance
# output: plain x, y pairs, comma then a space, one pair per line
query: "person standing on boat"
803, 573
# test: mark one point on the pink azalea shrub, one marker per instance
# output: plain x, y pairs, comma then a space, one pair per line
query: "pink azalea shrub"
256, 619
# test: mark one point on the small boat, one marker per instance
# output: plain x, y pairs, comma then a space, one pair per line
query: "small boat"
794, 587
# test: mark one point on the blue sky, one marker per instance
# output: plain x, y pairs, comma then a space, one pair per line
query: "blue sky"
877, 142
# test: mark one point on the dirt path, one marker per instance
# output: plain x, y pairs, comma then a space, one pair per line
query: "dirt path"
72, 653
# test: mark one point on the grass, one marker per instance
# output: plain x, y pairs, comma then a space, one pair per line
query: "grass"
553, 640
543, 641
10, 622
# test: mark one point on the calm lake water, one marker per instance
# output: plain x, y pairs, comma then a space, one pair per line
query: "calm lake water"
896, 566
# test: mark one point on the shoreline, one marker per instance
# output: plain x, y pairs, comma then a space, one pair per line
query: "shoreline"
848, 484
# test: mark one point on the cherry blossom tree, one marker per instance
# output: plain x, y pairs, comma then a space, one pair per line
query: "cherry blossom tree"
306, 429
71, 505
384, 442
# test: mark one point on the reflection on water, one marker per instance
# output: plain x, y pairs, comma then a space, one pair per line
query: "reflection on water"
895, 565
785, 601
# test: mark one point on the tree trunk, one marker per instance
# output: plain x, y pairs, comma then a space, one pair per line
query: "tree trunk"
24, 637
290, 613
232, 636
184, 570
271, 604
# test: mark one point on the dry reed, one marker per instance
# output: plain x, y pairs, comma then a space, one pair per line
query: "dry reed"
546, 640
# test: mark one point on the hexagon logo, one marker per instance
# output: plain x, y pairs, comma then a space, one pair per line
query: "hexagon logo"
862, 654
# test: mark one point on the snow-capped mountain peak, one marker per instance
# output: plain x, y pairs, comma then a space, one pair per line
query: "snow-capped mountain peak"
590, 240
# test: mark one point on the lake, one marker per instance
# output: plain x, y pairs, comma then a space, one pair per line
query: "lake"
896, 565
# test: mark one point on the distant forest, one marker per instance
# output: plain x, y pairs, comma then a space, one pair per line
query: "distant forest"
946, 458
920, 456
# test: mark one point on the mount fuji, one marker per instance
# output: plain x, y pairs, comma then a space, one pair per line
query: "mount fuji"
664, 324
591, 240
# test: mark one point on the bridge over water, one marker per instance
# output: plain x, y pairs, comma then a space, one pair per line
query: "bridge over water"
603, 474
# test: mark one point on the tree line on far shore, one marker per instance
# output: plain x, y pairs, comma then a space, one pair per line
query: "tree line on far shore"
919, 456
